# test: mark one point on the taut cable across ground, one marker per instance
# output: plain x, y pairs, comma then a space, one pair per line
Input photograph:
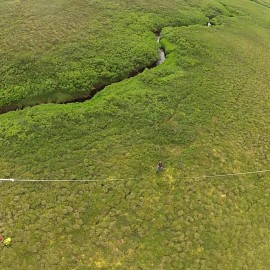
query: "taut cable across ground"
126, 179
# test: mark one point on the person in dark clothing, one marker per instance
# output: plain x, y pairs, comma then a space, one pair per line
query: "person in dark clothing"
159, 167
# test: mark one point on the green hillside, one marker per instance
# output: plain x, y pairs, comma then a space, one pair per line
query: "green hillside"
203, 112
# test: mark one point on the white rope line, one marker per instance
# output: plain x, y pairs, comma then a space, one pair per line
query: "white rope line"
68, 180
228, 174
125, 179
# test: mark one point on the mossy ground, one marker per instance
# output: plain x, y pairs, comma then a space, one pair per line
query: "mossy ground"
204, 111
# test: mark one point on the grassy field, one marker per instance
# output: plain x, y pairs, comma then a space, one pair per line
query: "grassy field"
204, 111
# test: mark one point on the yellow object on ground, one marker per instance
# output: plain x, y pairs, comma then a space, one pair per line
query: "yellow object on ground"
7, 241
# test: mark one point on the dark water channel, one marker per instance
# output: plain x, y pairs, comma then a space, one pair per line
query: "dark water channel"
99, 87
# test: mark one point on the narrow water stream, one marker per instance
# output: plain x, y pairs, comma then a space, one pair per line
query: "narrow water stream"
98, 88
162, 58
162, 55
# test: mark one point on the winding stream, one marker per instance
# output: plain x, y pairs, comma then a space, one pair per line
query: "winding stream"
98, 88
